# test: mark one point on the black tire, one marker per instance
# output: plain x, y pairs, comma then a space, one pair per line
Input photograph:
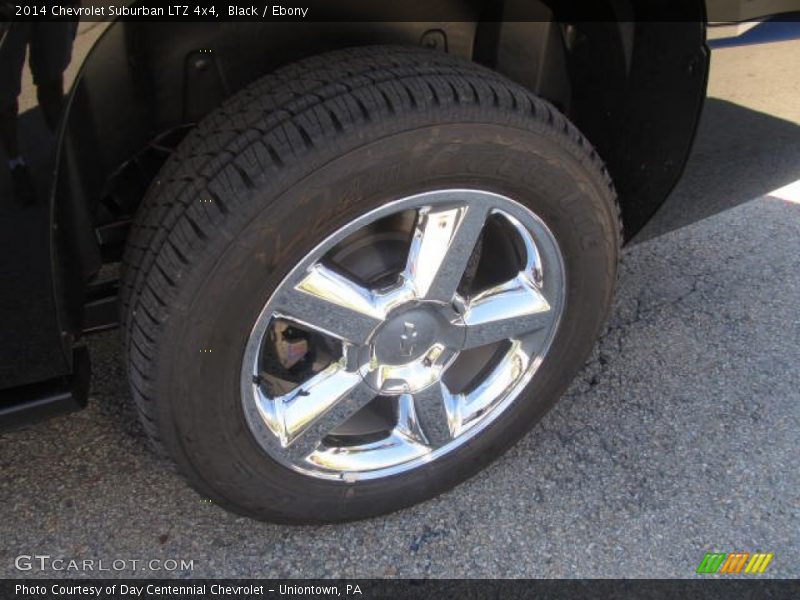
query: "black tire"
281, 165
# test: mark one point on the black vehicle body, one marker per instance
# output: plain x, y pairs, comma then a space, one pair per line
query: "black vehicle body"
634, 87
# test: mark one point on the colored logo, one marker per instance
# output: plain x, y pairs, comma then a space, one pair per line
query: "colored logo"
734, 562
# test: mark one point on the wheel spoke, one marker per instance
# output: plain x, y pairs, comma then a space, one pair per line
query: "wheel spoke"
508, 310
405, 442
441, 246
316, 407
435, 408
330, 302
408, 424
492, 389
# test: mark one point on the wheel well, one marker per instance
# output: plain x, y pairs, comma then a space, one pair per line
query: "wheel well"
634, 89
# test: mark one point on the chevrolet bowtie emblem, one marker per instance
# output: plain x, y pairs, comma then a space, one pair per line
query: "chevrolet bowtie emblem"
408, 339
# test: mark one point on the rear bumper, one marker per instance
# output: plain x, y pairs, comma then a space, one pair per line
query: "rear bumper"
27, 404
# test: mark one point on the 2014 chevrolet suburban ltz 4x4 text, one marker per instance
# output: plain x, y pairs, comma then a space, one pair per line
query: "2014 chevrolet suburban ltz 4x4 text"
353, 262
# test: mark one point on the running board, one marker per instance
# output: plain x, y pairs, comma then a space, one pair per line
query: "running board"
27, 404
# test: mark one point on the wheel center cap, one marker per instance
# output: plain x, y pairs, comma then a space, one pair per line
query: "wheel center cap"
411, 349
407, 336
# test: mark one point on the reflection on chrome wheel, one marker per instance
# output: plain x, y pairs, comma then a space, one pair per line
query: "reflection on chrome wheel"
402, 335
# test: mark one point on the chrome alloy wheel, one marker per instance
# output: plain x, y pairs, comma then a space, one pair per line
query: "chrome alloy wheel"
402, 335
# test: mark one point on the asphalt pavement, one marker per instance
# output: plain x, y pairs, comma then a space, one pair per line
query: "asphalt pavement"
680, 436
